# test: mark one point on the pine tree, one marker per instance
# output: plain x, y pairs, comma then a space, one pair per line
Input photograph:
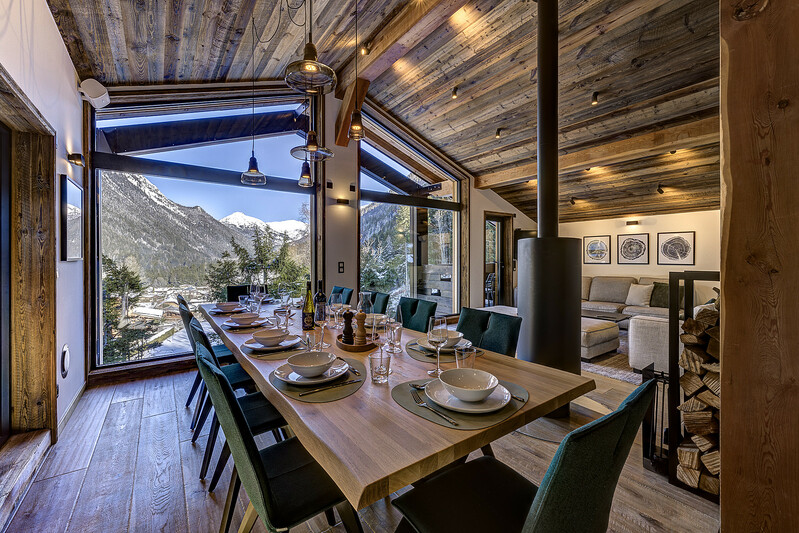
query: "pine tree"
222, 273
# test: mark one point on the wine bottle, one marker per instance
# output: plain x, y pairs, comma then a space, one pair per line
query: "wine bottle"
320, 303
308, 309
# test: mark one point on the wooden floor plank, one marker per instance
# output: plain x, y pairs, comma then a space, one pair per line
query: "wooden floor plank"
159, 503
75, 445
182, 384
159, 396
129, 390
104, 500
48, 504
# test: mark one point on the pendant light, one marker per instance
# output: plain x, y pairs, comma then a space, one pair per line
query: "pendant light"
308, 75
253, 176
305, 175
311, 151
357, 133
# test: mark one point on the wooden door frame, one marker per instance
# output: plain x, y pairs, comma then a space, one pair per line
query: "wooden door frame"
506, 237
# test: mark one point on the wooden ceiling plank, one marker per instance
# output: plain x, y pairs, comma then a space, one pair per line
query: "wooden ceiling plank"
676, 138
230, 42
93, 33
408, 28
353, 99
68, 27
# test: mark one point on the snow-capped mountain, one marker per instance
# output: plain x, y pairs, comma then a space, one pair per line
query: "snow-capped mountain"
293, 228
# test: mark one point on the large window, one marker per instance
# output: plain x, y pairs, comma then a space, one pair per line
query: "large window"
164, 236
408, 247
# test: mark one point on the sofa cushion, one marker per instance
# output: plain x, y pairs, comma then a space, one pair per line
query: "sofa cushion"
605, 307
639, 295
660, 295
636, 310
649, 281
586, 287
610, 288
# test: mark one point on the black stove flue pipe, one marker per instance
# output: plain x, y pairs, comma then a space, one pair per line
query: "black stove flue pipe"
549, 267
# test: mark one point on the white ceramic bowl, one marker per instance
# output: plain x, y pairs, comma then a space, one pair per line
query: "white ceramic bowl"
269, 336
469, 384
453, 339
227, 306
311, 364
244, 318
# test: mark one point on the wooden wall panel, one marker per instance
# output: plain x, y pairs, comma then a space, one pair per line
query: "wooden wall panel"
33, 242
760, 265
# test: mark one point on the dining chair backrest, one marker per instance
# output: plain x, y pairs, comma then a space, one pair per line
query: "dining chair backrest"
187, 317
238, 436
379, 302
502, 334
197, 333
181, 300
416, 313
346, 294
234, 291
473, 323
577, 490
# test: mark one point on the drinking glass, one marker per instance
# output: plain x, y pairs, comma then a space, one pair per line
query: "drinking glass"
243, 301
380, 366
395, 336
282, 316
320, 319
437, 335
336, 305
465, 356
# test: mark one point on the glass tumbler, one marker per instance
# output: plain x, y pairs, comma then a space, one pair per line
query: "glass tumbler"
380, 366
465, 356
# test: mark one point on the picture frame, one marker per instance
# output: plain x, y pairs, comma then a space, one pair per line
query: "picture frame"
596, 250
676, 248
632, 249
71, 220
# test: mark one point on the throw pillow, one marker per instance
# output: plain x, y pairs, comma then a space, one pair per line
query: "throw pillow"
639, 295
660, 295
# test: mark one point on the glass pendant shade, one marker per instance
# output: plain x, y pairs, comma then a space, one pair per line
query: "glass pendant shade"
357, 132
308, 76
253, 176
305, 175
311, 149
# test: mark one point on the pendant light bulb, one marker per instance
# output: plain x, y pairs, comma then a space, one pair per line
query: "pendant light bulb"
253, 176
357, 132
595, 98
454, 93
308, 75
305, 175
311, 142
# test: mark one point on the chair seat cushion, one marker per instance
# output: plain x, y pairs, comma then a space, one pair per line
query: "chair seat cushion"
223, 354
300, 487
593, 331
605, 307
478, 496
261, 415
237, 376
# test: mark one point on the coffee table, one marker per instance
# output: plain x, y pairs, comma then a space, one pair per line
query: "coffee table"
604, 315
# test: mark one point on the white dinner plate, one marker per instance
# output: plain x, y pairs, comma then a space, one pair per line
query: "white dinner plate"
256, 323
439, 395
257, 347
285, 373
424, 343
218, 311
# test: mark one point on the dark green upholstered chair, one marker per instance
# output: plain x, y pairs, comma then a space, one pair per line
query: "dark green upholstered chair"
502, 334
415, 313
234, 291
346, 294
575, 495
379, 302
473, 323
286, 486
235, 374
223, 354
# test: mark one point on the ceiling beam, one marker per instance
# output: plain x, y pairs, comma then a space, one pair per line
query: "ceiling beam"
681, 137
353, 99
143, 138
414, 22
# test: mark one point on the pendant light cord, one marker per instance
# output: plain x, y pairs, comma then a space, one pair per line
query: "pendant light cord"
252, 66
356, 51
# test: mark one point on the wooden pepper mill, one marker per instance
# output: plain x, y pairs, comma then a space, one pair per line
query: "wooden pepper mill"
346, 335
360, 330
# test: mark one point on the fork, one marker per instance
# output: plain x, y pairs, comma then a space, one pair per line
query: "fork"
352, 368
420, 403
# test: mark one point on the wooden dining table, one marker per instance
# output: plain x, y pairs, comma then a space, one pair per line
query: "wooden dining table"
371, 446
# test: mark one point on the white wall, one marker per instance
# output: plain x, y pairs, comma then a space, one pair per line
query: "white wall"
706, 224
33, 53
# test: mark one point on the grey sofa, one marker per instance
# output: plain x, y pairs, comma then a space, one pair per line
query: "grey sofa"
608, 293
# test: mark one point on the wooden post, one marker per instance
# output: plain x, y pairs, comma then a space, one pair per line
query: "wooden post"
760, 264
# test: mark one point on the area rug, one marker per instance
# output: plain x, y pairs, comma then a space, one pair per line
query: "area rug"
614, 365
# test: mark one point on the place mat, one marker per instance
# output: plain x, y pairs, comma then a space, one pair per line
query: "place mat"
330, 395
402, 395
420, 354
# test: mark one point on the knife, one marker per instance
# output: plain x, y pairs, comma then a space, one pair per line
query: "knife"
320, 389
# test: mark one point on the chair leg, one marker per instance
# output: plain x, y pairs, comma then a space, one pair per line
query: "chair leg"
488, 451
224, 455
250, 516
276, 434
197, 380
230, 501
198, 406
209, 446
201, 421
350, 518
331, 517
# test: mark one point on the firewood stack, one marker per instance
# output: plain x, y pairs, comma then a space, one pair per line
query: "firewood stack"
698, 456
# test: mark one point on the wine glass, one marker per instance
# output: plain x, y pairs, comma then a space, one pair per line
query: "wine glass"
320, 319
336, 305
395, 336
437, 335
